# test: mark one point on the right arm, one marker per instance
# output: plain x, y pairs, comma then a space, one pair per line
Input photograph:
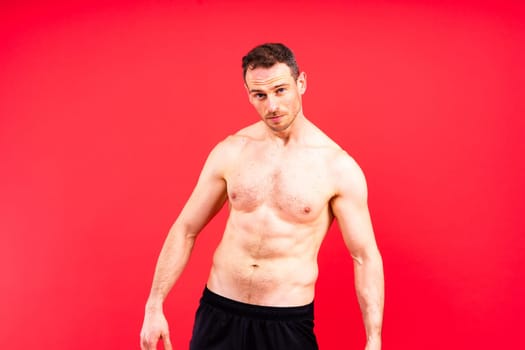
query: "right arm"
205, 201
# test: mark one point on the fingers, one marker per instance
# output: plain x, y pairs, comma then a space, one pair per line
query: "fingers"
151, 343
167, 342
148, 343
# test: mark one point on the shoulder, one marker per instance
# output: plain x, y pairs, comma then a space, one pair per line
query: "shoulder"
345, 173
349, 178
255, 131
237, 141
227, 150
343, 166
234, 144
317, 138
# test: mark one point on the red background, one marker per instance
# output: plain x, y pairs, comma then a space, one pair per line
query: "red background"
108, 110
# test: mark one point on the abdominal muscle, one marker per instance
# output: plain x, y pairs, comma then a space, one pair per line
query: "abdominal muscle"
264, 260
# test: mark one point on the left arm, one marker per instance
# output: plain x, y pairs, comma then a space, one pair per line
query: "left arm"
351, 210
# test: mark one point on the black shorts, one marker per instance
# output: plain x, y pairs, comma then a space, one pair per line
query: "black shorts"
225, 324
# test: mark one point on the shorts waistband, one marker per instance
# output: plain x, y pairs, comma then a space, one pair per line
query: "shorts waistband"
277, 313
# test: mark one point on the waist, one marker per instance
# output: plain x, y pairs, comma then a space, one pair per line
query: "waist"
273, 283
281, 313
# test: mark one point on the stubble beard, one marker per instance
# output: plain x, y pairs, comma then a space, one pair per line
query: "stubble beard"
281, 128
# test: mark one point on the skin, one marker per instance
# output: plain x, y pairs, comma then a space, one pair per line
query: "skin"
285, 182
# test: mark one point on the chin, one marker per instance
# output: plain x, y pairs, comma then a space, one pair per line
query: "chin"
280, 128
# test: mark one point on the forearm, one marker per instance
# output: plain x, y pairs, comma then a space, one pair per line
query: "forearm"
172, 260
369, 283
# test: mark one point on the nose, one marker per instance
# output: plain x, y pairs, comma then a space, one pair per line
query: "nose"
272, 104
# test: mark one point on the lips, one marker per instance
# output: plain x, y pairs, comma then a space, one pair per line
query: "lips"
275, 118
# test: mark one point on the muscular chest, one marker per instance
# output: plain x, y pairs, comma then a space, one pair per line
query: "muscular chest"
295, 186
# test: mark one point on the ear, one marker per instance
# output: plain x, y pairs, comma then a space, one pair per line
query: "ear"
301, 83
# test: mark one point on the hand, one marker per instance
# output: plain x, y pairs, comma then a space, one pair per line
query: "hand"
373, 344
154, 328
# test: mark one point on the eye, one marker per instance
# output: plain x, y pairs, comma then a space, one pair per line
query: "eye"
280, 90
259, 96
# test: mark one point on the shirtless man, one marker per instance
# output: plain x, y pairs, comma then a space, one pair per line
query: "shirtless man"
285, 182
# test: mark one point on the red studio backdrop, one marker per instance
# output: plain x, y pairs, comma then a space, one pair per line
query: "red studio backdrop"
108, 110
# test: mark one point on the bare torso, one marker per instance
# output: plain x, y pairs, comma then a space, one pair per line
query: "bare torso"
279, 199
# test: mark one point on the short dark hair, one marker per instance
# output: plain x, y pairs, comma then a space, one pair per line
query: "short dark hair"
266, 55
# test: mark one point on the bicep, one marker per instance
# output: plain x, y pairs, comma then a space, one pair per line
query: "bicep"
208, 196
355, 225
350, 207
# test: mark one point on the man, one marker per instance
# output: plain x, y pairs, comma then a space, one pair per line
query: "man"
285, 182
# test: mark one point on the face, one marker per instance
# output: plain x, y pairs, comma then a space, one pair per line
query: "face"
276, 95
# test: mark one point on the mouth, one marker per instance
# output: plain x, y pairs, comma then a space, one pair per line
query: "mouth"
275, 118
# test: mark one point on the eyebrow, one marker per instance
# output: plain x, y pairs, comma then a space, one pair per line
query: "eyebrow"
272, 88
